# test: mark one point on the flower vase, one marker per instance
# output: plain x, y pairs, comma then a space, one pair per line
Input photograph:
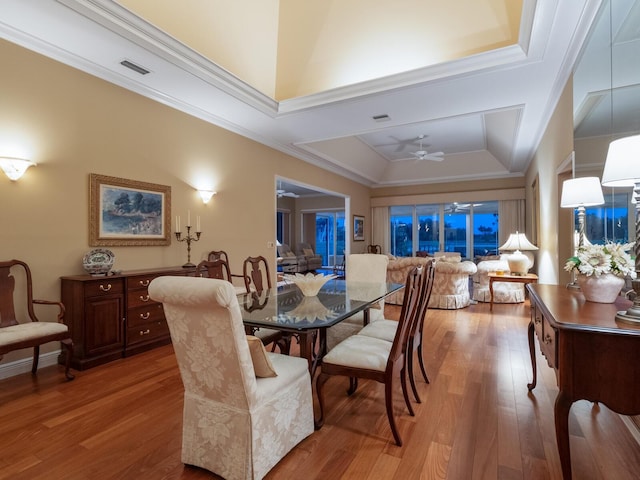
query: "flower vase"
602, 289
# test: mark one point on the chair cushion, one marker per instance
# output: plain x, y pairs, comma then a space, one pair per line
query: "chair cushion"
261, 363
308, 252
360, 351
382, 329
30, 331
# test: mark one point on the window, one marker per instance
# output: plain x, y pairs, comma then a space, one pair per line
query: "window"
608, 222
401, 230
452, 227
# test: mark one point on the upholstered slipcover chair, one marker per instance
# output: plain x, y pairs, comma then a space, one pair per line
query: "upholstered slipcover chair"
397, 271
451, 284
503, 292
234, 424
360, 267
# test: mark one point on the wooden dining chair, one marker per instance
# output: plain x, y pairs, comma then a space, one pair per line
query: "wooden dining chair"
256, 274
20, 328
222, 255
218, 268
374, 249
257, 278
363, 357
386, 329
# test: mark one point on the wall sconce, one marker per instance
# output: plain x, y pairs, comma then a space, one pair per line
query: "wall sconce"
14, 168
206, 195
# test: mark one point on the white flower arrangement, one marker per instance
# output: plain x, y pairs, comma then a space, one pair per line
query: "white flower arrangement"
600, 259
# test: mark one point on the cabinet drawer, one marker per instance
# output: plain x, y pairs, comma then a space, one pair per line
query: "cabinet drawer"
145, 314
548, 342
140, 281
106, 286
139, 298
147, 331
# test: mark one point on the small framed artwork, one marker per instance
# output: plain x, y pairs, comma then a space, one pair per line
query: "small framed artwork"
128, 212
358, 228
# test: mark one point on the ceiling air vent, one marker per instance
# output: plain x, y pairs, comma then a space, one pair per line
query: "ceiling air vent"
381, 118
134, 67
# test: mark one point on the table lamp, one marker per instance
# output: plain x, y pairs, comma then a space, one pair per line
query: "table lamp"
519, 263
622, 169
580, 193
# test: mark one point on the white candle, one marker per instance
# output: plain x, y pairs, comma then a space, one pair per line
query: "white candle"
188, 218
198, 224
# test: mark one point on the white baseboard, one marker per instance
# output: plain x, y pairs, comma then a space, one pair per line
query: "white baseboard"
23, 365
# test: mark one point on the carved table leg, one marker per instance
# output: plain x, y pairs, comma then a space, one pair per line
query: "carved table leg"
561, 410
532, 353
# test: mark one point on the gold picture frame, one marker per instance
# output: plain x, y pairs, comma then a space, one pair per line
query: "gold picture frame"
126, 212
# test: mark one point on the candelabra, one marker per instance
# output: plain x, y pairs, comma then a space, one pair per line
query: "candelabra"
188, 239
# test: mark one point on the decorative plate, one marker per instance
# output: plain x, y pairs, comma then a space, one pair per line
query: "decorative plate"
98, 262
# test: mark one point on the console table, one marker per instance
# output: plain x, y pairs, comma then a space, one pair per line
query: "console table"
595, 358
112, 316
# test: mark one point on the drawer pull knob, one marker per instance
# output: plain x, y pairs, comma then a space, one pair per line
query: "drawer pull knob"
144, 298
144, 316
144, 283
145, 332
105, 289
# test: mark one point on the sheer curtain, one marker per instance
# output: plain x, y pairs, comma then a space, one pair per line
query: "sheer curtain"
511, 214
380, 227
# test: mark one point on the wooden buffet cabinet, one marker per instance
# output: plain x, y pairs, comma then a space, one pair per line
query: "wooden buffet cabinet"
595, 357
112, 317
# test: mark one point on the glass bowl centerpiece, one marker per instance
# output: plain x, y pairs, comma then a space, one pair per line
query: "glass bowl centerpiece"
310, 283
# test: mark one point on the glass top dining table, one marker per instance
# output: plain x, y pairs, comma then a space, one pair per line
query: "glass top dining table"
285, 308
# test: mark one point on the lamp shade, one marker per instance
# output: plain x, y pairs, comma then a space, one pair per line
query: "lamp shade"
622, 167
581, 192
517, 241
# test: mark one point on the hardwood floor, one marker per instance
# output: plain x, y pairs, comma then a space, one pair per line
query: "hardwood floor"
476, 421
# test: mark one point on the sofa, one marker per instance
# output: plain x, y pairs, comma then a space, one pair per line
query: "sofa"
314, 261
503, 292
397, 270
289, 261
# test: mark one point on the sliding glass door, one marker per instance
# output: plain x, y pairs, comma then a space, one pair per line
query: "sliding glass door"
330, 237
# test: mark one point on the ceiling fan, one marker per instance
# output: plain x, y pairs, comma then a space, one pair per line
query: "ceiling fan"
459, 207
422, 154
283, 193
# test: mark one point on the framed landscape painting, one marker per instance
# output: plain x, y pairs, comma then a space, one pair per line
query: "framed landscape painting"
358, 228
128, 212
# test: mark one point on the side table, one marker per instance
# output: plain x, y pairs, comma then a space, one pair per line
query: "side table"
493, 276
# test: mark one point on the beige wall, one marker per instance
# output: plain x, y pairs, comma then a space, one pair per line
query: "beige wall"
556, 146
73, 124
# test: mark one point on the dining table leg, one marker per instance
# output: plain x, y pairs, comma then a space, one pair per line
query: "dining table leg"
308, 350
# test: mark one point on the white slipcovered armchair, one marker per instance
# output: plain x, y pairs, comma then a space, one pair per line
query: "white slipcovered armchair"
234, 424
503, 292
451, 284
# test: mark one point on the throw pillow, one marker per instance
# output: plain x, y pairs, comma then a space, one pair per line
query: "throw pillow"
261, 363
308, 252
